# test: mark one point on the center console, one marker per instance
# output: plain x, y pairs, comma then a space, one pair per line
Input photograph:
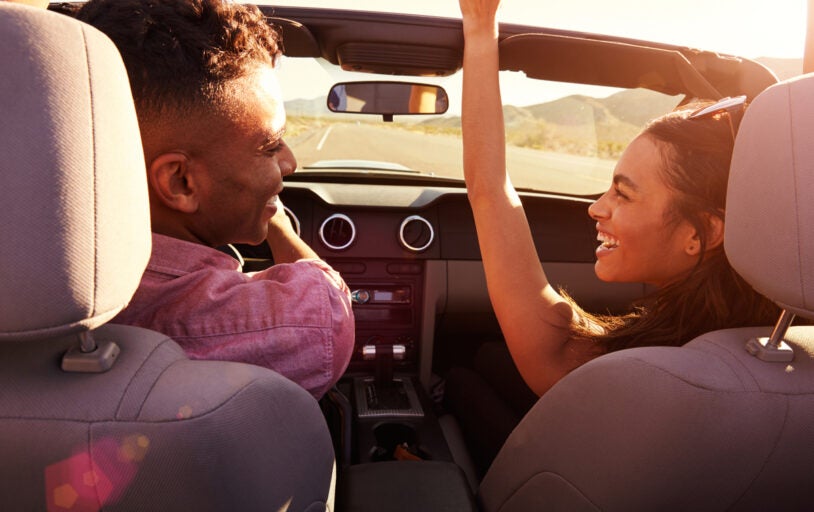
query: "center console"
391, 444
392, 415
390, 449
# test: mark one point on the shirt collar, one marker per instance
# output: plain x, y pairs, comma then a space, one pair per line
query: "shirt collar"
178, 257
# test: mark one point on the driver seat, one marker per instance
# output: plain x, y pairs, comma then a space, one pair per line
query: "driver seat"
97, 416
724, 422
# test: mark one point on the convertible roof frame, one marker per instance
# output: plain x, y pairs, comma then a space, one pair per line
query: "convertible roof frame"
389, 43
607, 63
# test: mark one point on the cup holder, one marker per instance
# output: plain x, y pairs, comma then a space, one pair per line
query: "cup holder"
396, 441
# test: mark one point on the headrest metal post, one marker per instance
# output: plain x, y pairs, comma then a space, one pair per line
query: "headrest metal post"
780, 328
773, 348
90, 356
86, 342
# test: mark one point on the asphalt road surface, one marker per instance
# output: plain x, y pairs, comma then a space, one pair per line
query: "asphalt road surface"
441, 155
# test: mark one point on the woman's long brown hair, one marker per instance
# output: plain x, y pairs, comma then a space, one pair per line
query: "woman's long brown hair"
696, 157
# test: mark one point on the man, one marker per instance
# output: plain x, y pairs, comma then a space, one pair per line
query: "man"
212, 124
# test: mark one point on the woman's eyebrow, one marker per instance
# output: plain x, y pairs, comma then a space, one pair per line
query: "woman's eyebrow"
621, 179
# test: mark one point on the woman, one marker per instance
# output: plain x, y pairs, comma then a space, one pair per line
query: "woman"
661, 222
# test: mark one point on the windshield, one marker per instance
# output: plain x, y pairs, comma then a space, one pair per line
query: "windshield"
561, 138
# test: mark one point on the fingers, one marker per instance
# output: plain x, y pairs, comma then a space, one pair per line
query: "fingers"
280, 219
479, 15
479, 9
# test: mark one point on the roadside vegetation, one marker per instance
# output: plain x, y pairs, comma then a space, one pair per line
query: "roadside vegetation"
575, 125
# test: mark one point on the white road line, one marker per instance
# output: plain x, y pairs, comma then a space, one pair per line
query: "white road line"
324, 138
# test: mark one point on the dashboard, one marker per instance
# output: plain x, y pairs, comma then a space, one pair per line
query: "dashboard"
410, 256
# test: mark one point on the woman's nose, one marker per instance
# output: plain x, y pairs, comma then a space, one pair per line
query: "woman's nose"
598, 210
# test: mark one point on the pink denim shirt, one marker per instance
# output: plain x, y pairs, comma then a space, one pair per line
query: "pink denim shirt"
294, 318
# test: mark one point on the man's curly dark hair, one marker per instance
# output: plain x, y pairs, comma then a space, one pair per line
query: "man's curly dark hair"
181, 54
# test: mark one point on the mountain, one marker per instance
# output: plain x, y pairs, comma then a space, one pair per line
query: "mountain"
577, 124
638, 106
307, 108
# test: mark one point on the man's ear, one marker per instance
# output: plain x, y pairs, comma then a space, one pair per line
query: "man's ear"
172, 181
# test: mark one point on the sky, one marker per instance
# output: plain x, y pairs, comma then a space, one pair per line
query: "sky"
749, 28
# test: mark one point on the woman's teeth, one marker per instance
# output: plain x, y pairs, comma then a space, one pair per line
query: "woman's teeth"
608, 241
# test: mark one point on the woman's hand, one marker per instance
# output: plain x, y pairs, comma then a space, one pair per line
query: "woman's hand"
479, 16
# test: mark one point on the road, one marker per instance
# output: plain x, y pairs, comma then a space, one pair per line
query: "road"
441, 156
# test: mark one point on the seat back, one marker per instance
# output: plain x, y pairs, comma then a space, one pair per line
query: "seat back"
706, 426
94, 415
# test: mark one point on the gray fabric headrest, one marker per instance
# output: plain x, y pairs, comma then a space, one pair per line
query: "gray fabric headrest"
770, 201
74, 225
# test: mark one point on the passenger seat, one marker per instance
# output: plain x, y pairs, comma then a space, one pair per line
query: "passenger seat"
724, 422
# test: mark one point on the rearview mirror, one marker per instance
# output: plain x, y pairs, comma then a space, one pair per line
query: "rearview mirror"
387, 98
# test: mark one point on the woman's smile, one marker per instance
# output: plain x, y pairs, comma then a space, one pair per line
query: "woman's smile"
607, 243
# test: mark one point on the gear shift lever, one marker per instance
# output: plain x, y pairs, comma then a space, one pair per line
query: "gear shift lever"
384, 394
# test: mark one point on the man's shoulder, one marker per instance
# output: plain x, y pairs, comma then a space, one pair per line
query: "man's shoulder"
177, 257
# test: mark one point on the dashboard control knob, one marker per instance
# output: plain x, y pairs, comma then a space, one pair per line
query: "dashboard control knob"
360, 296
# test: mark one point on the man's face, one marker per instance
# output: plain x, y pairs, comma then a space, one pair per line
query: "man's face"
245, 164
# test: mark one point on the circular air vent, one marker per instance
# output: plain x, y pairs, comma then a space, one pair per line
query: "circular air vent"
337, 232
415, 233
295, 222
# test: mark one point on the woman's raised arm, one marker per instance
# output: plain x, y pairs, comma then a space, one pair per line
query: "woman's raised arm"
534, 318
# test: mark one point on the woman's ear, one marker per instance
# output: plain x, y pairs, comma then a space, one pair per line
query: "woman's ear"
693, 246
172, 181
715, 236
715, 231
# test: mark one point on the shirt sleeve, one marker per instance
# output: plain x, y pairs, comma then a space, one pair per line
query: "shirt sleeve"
294, 318
342, 329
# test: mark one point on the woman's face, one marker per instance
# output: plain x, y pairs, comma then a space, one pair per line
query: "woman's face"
640, 242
